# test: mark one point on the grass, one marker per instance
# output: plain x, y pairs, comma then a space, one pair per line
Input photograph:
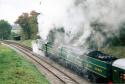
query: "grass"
26, 42
14, 69
118, 52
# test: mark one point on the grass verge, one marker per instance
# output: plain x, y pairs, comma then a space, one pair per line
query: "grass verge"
14, 69
26, 42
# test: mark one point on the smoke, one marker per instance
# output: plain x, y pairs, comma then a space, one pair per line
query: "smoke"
86, 22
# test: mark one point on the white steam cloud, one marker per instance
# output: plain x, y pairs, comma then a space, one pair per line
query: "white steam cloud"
80, 18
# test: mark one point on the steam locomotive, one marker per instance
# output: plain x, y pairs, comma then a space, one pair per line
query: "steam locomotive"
93, 65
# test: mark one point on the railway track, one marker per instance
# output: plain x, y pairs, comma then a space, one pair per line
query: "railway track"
60, 77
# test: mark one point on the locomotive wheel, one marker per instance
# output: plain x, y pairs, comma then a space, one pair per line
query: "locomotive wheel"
93, 78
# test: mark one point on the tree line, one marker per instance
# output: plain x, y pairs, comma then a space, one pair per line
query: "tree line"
29, 27
28, 23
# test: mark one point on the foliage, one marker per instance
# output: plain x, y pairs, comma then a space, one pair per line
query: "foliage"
29, 24
23, 22
5, 29
14, 69
111, 39
13, 34
33, 24
120, 39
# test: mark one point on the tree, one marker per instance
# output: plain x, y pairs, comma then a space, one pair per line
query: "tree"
5, 30
29, 24
33, 24
23, 22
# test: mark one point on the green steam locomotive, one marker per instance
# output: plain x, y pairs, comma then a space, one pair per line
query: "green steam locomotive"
93, 65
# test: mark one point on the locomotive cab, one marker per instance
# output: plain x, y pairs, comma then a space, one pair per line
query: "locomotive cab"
118, 71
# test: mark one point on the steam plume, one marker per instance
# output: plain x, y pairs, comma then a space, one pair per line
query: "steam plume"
85, 21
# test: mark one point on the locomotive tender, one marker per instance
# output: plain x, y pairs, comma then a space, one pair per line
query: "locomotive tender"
93, 65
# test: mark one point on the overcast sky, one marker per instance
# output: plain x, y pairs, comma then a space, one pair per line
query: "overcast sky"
11, 9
